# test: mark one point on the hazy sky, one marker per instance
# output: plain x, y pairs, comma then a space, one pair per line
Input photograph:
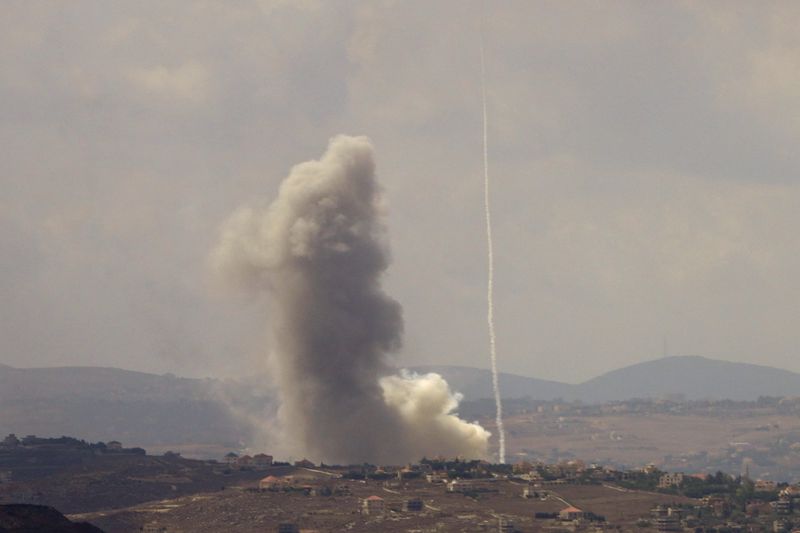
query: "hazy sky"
643, 155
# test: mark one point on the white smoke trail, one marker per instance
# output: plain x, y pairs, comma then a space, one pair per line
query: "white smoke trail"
490, 253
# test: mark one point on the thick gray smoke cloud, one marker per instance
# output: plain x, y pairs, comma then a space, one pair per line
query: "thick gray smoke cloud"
320, 250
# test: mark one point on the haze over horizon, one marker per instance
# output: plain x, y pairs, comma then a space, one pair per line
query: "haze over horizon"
645, 176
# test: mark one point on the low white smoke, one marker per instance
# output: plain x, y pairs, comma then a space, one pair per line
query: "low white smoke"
320, 251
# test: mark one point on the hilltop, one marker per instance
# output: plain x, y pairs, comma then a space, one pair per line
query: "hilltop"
692, 377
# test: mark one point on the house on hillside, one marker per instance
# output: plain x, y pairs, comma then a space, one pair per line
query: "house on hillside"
262, 460
11, 441
670, 479
230, 458
244, 461
304, 463
437, 477
373, 505
272, 483
534, 490
666, 518
412, 505
571, 513
505, 525
114, 445
765, 485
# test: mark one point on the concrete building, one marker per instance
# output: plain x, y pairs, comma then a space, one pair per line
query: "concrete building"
765, 485
533, 490
373, 505
505, 525
436, 477
670, 479
262, 460
666, 519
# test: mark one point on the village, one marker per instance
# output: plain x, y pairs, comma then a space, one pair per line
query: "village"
257, 493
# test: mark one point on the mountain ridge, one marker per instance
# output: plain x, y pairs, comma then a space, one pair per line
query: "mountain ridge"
103, 403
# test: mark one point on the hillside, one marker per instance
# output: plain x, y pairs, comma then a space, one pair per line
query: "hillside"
134, 407
691, 376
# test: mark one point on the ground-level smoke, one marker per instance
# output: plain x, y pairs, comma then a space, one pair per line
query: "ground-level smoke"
490, 259
320, 251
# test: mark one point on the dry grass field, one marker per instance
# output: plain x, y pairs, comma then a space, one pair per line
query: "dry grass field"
672, 441
242, 510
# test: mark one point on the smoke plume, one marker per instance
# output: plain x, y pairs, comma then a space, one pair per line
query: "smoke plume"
320, 251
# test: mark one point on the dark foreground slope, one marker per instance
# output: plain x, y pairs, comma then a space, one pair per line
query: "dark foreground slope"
25, 518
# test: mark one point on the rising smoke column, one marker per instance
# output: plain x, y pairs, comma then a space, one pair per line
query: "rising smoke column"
320, 251
490, 259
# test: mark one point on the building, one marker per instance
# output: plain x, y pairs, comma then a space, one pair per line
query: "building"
230, 458
666, 519
781, 526
262, 460
304, 463
670, 479
718, 505
533, 490
571, 513
373, 505
765, 485
783, 506
114, 445
461, 485
505, 525
412, 505
272, 483
437, 477
11, 441
244, 461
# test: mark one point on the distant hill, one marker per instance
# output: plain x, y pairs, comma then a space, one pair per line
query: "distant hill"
476, 383
693, 377
133, 407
